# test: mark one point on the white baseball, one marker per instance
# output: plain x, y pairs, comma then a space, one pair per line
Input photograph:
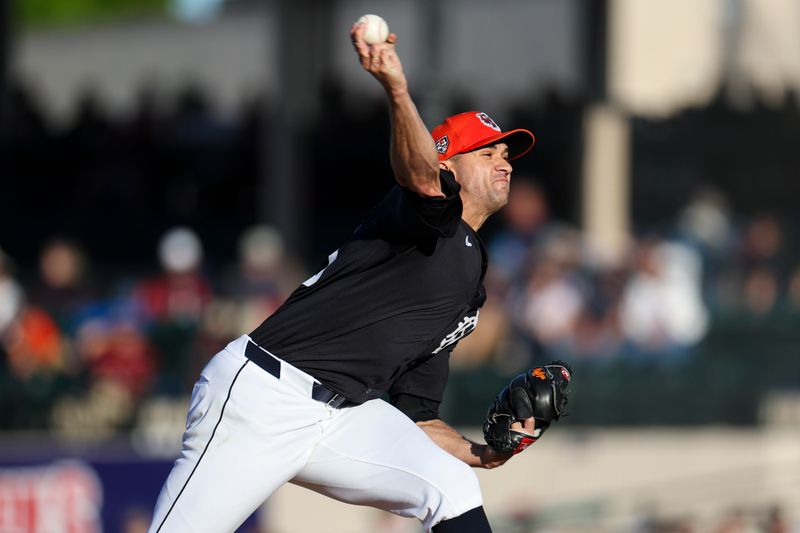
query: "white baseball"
376, 30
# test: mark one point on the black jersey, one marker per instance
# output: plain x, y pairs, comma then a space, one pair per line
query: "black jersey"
385, 312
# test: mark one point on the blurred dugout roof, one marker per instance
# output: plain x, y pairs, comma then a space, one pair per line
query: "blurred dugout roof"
661, 56
644, 59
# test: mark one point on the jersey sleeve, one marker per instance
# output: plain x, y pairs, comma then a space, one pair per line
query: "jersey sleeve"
439, 214
406, 217
419, 391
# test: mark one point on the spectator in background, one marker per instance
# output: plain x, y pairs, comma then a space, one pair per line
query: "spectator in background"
763, 243
751, 283
662, 312
121, 356
761, 292
706, 224
527, 223
34, 345
252, 288
597, 334
118, 366
65, 285
36, 365
514, 249
555, 296
10, 295
10, 305
765, 262
263, 277
556, 307
173, 303
179, 294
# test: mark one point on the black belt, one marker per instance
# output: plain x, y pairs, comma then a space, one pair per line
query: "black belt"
319, 392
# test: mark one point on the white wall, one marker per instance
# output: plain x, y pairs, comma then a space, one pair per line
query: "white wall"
602, 480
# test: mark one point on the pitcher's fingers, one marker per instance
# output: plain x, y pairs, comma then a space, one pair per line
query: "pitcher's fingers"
390, 55
357, 37
376, 54
527, 425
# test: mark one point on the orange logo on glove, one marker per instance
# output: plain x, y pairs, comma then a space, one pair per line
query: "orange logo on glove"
539, 373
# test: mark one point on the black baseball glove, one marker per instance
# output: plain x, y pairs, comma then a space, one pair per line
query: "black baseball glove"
540, 393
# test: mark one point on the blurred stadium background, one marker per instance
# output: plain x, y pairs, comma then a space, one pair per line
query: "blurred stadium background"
170, 169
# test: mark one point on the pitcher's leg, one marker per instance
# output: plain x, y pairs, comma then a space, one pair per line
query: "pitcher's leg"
246, 435
374, 455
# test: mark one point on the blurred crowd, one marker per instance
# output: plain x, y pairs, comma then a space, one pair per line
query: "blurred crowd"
92, 328
551, 294
78, 355
77, 352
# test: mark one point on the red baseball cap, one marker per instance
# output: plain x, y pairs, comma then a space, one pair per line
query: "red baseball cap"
472, 130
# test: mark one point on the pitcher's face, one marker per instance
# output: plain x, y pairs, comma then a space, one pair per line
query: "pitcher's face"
484, 175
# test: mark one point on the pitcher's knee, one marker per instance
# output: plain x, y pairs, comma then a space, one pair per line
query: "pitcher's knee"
453, 493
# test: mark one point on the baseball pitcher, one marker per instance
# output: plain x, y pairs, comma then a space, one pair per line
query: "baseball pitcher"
300, 399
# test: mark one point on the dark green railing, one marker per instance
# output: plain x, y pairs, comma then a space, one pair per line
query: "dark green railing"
723, 380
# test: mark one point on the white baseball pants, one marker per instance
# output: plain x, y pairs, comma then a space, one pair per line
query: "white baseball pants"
248, 433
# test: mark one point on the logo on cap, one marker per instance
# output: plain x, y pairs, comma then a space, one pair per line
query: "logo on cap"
487, 121
442, 145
